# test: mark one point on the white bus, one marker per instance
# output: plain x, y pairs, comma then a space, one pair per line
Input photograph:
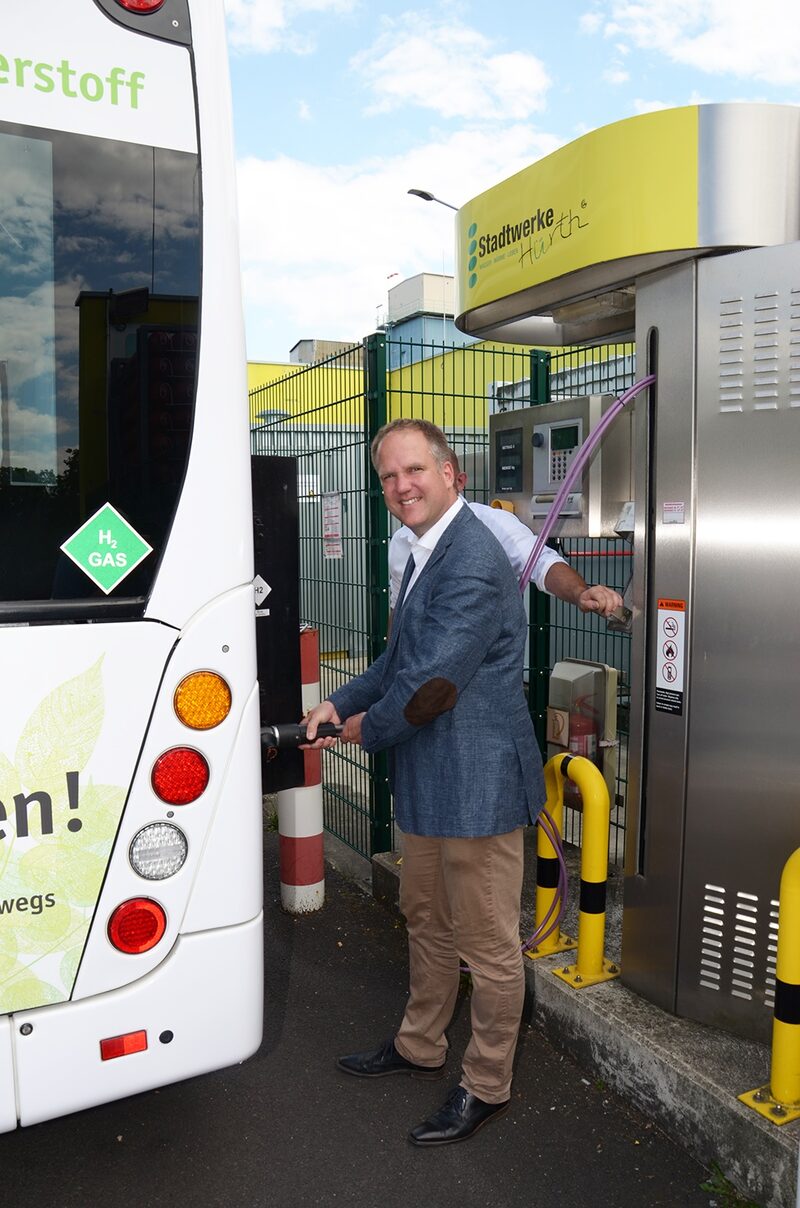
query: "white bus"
130, 798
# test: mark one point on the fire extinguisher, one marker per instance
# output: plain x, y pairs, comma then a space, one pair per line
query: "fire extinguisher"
583, 740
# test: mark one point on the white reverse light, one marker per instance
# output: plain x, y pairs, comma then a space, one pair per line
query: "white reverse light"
158, 851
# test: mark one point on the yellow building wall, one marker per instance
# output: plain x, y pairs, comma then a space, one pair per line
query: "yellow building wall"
328, 395
259, 373
451, 389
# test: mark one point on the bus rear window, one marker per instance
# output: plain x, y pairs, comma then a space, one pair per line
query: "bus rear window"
99, 294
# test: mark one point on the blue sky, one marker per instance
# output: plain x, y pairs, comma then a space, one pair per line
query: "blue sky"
341, 106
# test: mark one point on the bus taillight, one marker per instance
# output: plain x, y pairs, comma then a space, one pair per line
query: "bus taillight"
158, 851
179, 776
137, 925
141, 6
202, 700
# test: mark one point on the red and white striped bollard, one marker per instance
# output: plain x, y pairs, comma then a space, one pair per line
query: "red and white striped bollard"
300, 809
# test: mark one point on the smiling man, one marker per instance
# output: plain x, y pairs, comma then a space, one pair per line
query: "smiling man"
551, 573
447, 693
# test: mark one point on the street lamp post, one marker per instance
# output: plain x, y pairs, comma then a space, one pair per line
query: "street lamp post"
426, 196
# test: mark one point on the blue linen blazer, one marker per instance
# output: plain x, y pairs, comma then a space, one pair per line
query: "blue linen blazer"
446, 699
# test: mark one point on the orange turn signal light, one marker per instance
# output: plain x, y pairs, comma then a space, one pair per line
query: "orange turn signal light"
202, 700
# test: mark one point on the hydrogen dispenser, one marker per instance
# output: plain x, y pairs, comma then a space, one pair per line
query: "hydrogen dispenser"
682, 228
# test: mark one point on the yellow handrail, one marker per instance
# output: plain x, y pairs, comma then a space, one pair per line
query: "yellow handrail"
591, 966
547, 869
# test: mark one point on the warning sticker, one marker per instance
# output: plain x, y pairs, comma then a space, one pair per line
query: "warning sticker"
673, 513
670, 656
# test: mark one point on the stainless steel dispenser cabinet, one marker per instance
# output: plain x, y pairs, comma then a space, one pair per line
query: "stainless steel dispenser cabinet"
714, 786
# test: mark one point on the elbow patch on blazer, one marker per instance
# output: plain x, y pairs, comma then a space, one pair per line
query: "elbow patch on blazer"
430, 701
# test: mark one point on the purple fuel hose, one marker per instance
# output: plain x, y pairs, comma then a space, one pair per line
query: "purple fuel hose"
541, 933
575, 470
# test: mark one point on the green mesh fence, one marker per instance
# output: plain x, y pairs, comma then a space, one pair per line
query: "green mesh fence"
325, 416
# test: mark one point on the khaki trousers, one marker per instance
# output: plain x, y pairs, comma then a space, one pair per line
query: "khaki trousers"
461, 901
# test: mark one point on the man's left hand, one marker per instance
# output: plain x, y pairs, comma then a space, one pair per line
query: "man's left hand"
599, 599
352, 730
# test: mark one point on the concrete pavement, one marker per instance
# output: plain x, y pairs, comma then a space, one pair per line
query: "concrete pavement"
288, 1130
682, 1075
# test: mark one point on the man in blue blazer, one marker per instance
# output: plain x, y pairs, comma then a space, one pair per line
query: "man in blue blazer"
446, 701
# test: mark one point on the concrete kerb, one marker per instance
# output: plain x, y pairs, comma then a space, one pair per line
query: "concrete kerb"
349, 863
682, 1075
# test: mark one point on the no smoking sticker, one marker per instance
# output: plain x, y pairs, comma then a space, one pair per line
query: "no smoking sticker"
669, 662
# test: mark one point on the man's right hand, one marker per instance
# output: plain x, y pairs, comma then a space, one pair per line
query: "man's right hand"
320, 713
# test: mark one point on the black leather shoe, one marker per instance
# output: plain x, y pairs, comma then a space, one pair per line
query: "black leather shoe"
461, 1115
385, 1060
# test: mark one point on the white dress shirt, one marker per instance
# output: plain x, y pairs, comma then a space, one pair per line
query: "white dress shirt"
421, 548
515, 537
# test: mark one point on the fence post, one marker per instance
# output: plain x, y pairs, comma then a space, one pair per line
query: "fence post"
539, 624
377, 529
300, 809
540, 376
539, 658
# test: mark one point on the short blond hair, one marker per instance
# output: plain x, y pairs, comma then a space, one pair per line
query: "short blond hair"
437, 441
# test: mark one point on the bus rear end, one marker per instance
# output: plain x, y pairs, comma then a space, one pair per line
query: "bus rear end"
130, 798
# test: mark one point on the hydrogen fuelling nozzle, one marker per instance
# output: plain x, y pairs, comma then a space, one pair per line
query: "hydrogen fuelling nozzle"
294, 734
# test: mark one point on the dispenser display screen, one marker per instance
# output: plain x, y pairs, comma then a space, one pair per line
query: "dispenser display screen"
508, 461
564, 438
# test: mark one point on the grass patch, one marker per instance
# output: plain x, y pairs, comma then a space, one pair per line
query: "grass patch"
726, 1195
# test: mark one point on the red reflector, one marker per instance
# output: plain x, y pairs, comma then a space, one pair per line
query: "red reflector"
137, 925
140, 6
121, 1046
179, 776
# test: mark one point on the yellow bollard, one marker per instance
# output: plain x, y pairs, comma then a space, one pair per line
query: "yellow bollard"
779, 1100
547, 868
591, 967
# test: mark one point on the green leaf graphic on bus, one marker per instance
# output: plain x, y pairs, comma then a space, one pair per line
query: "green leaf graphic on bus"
56, 832
9, 785
62, 731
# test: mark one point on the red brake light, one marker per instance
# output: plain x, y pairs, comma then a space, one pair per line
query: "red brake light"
137, 925
179, 776
140, 6
122, 1046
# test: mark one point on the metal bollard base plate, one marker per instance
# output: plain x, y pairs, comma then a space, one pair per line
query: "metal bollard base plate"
761, 1101
579, 981
563, 944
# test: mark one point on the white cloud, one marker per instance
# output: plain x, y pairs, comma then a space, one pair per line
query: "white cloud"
590, 23
451, 69
616, 75
715, 36
642, 106
318, 243
304, 111
253, 26
267, 25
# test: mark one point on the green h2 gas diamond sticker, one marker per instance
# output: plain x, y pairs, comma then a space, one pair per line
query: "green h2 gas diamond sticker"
106, 548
